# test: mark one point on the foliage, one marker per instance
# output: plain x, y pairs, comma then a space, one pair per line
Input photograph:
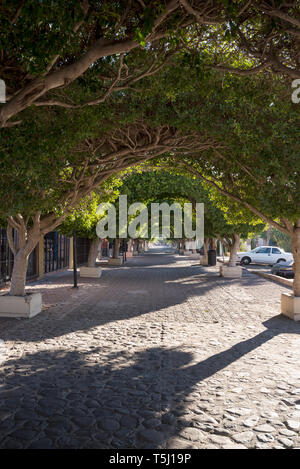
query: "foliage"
279, 239
47, 45
84, 218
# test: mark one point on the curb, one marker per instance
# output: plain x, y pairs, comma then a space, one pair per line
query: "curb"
275, 278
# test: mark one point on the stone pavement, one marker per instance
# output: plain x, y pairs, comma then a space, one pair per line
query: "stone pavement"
160, 353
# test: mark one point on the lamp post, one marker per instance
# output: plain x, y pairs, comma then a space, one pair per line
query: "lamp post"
75, 259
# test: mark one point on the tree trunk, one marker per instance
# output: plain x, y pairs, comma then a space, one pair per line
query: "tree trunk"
140, 246
234, 247
116, 248
93, 252
213, 244
205, 250
21, 247
296, 253
268, 235
18, 278
205, 246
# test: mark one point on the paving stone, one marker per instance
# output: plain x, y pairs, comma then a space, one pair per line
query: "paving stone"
109, 424
192, 434
234, 446
243, 437
43, 443
265, 437
251, 421
221, 440
286, 442
196, 361
129, 422
152, 436
293, 424
286, 432
24, 434
265, 428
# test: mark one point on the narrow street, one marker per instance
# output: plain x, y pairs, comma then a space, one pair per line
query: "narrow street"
158, 353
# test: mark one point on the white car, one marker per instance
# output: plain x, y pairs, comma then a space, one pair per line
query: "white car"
265, 255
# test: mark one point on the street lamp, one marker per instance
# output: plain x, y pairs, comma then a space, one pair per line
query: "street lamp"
75, 259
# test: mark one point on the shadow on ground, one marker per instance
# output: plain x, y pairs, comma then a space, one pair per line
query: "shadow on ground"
71, 400
147, 284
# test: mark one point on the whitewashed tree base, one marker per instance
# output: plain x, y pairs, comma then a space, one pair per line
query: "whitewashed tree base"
231, 272
112, 261
290, 306
26, 306
203, 260
94, 272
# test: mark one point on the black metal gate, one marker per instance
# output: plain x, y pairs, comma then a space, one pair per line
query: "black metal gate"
83, 247
56, 252
6, 258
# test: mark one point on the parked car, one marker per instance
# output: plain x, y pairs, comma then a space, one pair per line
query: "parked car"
283, 269
265, 255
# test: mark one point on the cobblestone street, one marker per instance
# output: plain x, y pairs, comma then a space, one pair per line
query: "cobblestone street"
159, 353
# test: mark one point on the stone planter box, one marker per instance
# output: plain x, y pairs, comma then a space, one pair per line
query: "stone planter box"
94, 272
231, 272
112, 261
26, 306
290, 306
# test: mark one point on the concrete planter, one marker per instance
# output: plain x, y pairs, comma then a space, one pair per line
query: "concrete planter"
231, 272
203, 260
94, 272
112, 261
290, 306
20, 306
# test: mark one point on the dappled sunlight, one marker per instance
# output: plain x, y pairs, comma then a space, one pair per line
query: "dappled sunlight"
172, 291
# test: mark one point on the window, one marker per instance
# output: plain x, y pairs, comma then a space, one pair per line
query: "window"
276, 251
263, 251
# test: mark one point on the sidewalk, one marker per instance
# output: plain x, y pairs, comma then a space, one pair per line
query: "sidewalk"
159, 353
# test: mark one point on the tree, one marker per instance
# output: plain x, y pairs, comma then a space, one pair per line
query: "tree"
224, 219
232, 223
84, 218
39, 192
47, 46
258, 166
278, 238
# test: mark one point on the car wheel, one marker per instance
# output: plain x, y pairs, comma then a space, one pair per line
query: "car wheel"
246, 260
280, 260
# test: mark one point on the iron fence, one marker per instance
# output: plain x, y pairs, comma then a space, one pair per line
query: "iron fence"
56, 252
83, 247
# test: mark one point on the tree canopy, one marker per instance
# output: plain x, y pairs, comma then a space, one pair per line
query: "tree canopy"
47, 45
